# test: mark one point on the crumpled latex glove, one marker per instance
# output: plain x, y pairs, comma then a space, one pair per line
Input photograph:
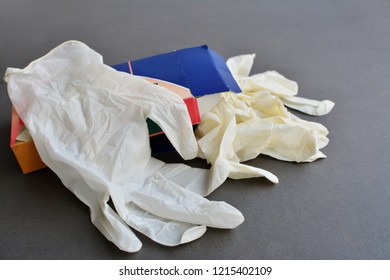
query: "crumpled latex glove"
276, 84
88, 123
243, 126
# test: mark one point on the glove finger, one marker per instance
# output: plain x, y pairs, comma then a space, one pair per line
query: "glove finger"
275, 83
321, 129
308, 106
291, 142
168, 200
113, 228
241, 65
241, 171
163, 231
179, 174
318, 155
223, 169
172, 116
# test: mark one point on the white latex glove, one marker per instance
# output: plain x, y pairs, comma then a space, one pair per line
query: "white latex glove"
243, 126
227, 133
276, 84
88, 123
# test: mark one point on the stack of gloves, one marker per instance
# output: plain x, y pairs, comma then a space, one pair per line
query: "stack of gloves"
88, 123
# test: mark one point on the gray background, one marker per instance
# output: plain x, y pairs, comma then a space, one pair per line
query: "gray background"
336, 208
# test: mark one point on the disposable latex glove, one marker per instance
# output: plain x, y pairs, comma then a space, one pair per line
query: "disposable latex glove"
224, 134
276, 84
243, 126
88, 124
291, 139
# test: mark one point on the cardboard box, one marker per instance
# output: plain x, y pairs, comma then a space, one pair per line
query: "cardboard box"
25, 152
199, 69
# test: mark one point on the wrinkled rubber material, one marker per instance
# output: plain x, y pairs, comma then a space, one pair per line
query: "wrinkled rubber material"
256, 121
88, 122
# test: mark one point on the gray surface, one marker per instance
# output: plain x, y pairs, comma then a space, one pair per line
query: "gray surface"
337, 208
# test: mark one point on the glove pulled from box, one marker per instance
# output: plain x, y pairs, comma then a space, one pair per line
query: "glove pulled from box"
88, 122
